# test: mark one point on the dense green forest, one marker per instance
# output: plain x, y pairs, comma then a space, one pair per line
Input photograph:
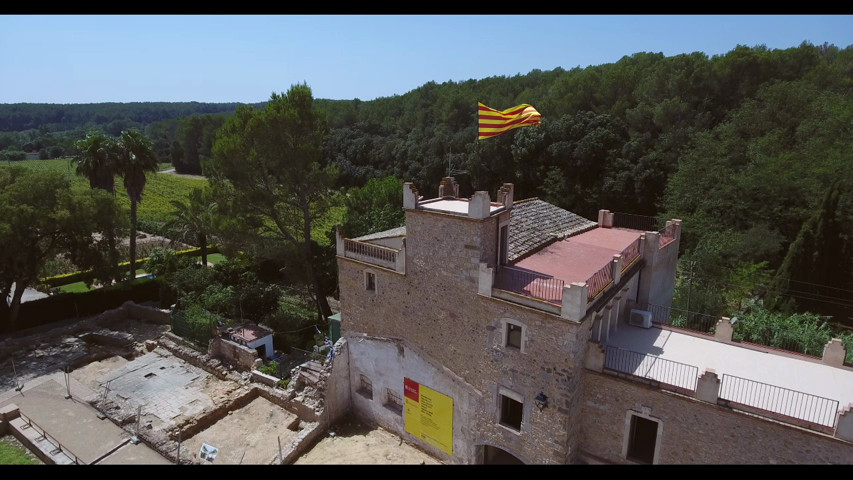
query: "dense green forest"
743, 147
52, 129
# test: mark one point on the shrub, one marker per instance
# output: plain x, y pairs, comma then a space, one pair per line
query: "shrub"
271, 368
293, 324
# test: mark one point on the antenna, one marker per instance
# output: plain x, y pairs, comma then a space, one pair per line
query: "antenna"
450, 171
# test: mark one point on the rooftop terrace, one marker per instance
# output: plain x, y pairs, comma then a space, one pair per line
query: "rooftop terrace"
457, 206
577, 258
796, 389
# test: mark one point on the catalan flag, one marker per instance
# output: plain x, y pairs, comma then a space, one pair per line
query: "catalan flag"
493, 122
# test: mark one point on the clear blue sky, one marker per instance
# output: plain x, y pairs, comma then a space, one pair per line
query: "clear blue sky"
241, 58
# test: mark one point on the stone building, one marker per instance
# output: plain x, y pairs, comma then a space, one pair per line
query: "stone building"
499, 331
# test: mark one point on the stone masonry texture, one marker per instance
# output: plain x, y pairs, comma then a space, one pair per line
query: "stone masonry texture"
435, 306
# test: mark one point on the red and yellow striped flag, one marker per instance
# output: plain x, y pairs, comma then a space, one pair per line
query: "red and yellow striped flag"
493, 122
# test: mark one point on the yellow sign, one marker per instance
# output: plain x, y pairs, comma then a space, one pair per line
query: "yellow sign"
429, 415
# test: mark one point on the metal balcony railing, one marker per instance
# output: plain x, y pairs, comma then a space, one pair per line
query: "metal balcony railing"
530, 284
670, 375
599, 281
630, 254
777, 402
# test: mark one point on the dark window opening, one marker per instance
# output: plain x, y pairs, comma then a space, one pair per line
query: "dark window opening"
365, 387
393, 401
513, 336
511, 413
371, 282
642, 439
503, 245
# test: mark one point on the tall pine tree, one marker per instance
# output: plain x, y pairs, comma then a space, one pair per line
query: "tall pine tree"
816, 266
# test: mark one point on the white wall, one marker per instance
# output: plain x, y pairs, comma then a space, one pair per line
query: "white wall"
263, 341
387, 363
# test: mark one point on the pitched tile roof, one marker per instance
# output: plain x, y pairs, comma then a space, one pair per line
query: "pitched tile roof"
535, 223
394, 232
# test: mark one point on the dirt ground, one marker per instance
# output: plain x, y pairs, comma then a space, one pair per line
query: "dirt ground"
353, 443
46, 350
248, 435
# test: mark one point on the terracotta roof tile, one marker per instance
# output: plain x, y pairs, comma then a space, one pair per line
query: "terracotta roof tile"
535, 223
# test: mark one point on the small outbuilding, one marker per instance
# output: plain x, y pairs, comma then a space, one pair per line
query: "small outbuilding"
254, 336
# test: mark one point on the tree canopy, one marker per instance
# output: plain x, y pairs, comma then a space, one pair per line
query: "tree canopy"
44, 217
267, 173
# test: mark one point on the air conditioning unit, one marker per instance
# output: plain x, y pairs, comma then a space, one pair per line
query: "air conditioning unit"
640, 318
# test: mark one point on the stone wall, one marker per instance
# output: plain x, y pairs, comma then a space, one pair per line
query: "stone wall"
232, 352
147, 314
657, 281
435, 306
267, 380
338, 392
694, 432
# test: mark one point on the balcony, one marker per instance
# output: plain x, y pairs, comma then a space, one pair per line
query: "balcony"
373, 253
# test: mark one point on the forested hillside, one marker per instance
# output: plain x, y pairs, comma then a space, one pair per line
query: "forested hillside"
51, 129
742, 146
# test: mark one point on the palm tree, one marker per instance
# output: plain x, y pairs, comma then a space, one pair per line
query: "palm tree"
96, 160
194, 220
135, 159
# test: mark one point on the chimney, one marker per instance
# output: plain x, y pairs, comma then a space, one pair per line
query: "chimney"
505, 195
410, 196
448, 188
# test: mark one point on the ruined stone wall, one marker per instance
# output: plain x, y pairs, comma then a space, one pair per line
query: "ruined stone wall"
435, 307
338, 396
232, 352
147, 314
694, 432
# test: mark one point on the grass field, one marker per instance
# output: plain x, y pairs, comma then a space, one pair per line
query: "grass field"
160, 188
12, 453
216, 258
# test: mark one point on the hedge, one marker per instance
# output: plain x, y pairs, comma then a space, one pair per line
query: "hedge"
70, 305
67, 278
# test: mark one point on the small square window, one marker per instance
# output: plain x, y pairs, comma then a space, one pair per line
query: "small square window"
511, 412
365, 387
393, 400
370, 281
513, 335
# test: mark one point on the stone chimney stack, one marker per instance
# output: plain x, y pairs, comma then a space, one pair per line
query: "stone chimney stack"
410, 196
448, 188
505, 195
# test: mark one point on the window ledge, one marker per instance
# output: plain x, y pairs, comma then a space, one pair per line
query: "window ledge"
509, 429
